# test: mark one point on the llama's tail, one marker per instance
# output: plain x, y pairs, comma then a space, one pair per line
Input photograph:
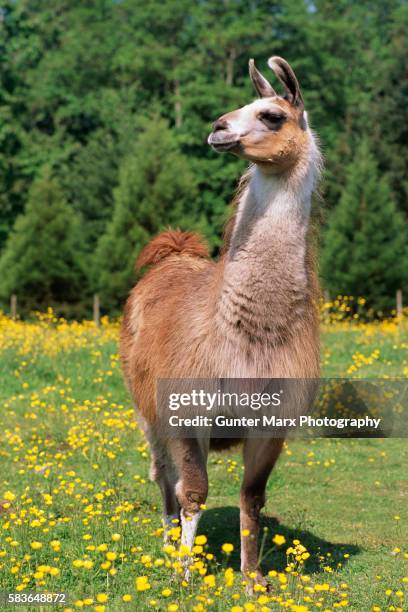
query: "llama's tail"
172, 242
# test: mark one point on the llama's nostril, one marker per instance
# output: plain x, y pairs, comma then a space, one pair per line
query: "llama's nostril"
220, 124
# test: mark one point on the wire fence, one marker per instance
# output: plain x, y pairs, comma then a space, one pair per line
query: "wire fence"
96, 306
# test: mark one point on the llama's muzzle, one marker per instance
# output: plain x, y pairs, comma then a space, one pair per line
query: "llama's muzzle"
221, 137
222, 140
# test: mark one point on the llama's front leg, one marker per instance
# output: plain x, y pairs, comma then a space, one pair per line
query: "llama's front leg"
190, 457
259, 458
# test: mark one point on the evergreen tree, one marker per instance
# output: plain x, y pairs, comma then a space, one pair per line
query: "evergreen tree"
90, 178
365, 249
156, 189
75, 83
41, 260
389, 111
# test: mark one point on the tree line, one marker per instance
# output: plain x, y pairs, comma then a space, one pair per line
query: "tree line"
105, 107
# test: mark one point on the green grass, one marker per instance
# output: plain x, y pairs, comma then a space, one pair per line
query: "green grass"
76, 463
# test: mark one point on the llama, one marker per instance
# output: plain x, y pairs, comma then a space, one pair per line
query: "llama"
251, 314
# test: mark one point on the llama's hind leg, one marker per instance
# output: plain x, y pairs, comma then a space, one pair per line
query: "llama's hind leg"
259, 458
163, 471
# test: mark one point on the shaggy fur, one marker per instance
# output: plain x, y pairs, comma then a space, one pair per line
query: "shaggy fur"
253, 313
171, 242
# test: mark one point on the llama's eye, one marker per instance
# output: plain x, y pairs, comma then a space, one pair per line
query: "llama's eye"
272, 120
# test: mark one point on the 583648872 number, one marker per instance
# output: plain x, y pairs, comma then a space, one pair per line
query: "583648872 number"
33, 599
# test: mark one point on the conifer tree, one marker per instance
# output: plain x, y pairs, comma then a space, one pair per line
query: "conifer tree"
41, 261
365, 249
156, 189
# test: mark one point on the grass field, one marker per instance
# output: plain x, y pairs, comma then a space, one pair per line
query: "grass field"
79, 515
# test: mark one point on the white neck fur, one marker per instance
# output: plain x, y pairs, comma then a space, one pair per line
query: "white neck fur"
266, 284
276, 200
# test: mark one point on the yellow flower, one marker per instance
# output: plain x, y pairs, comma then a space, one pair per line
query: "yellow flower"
166, 592
278, 539
227, 548
101, 598
111, 556
175, 533
169, 549
126, 598
9, 496
229, 576
201, 540
263, 599
209, 580
116, 537
173, 607
36, 545
142, 583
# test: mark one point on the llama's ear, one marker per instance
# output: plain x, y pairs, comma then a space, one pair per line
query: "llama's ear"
263, 88
288, 79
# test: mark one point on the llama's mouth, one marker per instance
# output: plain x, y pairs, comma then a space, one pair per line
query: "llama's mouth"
219, 143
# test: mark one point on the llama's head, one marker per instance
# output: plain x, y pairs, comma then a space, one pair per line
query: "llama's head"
271, 131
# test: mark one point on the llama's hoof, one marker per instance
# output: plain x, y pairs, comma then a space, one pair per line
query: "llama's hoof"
184, 574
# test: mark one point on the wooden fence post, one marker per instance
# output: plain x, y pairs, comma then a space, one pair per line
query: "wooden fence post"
13, 306
399, 303
96, 310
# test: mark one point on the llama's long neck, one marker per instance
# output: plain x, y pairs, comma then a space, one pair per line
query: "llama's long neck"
266, 278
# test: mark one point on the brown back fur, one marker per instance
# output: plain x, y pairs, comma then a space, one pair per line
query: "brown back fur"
171, 242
